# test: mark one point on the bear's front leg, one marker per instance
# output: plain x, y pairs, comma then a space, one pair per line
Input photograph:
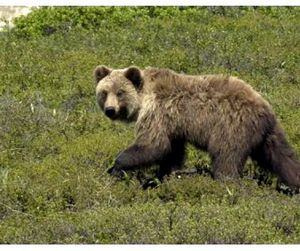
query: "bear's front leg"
173, 160
138, 155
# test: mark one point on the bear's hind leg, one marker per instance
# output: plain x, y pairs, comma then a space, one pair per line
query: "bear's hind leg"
228, 166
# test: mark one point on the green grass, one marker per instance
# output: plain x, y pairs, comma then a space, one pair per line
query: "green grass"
55, 145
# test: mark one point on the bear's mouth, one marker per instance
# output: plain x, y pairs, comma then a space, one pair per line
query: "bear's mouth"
123, 113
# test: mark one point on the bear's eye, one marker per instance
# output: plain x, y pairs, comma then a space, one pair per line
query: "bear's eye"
120, 93
103, 94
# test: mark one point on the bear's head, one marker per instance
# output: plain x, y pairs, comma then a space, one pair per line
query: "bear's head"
118, 91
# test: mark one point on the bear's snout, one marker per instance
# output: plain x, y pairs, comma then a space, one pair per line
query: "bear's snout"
110, 111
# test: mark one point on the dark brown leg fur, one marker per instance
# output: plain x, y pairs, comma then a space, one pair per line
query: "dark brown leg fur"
140, 155
171, 161
228, 167
276, 155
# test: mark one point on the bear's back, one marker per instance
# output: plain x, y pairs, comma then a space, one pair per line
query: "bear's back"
168, 84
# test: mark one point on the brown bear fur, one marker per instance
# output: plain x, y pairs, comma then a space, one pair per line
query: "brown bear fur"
220, 114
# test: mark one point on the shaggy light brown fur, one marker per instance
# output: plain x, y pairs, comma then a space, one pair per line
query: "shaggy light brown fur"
220, 114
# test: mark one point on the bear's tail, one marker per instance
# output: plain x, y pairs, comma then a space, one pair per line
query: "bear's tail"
276, 154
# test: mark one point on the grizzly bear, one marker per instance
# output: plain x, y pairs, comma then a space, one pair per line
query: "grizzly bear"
222, 115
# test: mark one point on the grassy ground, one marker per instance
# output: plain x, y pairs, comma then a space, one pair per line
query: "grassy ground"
55, 145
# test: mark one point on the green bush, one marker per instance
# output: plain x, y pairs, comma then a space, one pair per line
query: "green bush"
55, 145
48, 20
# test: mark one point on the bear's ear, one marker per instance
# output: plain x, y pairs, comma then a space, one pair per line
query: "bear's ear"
135, 76
100, 72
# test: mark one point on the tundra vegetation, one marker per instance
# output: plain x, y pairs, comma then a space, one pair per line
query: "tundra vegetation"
55, 145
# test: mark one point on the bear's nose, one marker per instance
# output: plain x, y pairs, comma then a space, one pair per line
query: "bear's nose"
110, 111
